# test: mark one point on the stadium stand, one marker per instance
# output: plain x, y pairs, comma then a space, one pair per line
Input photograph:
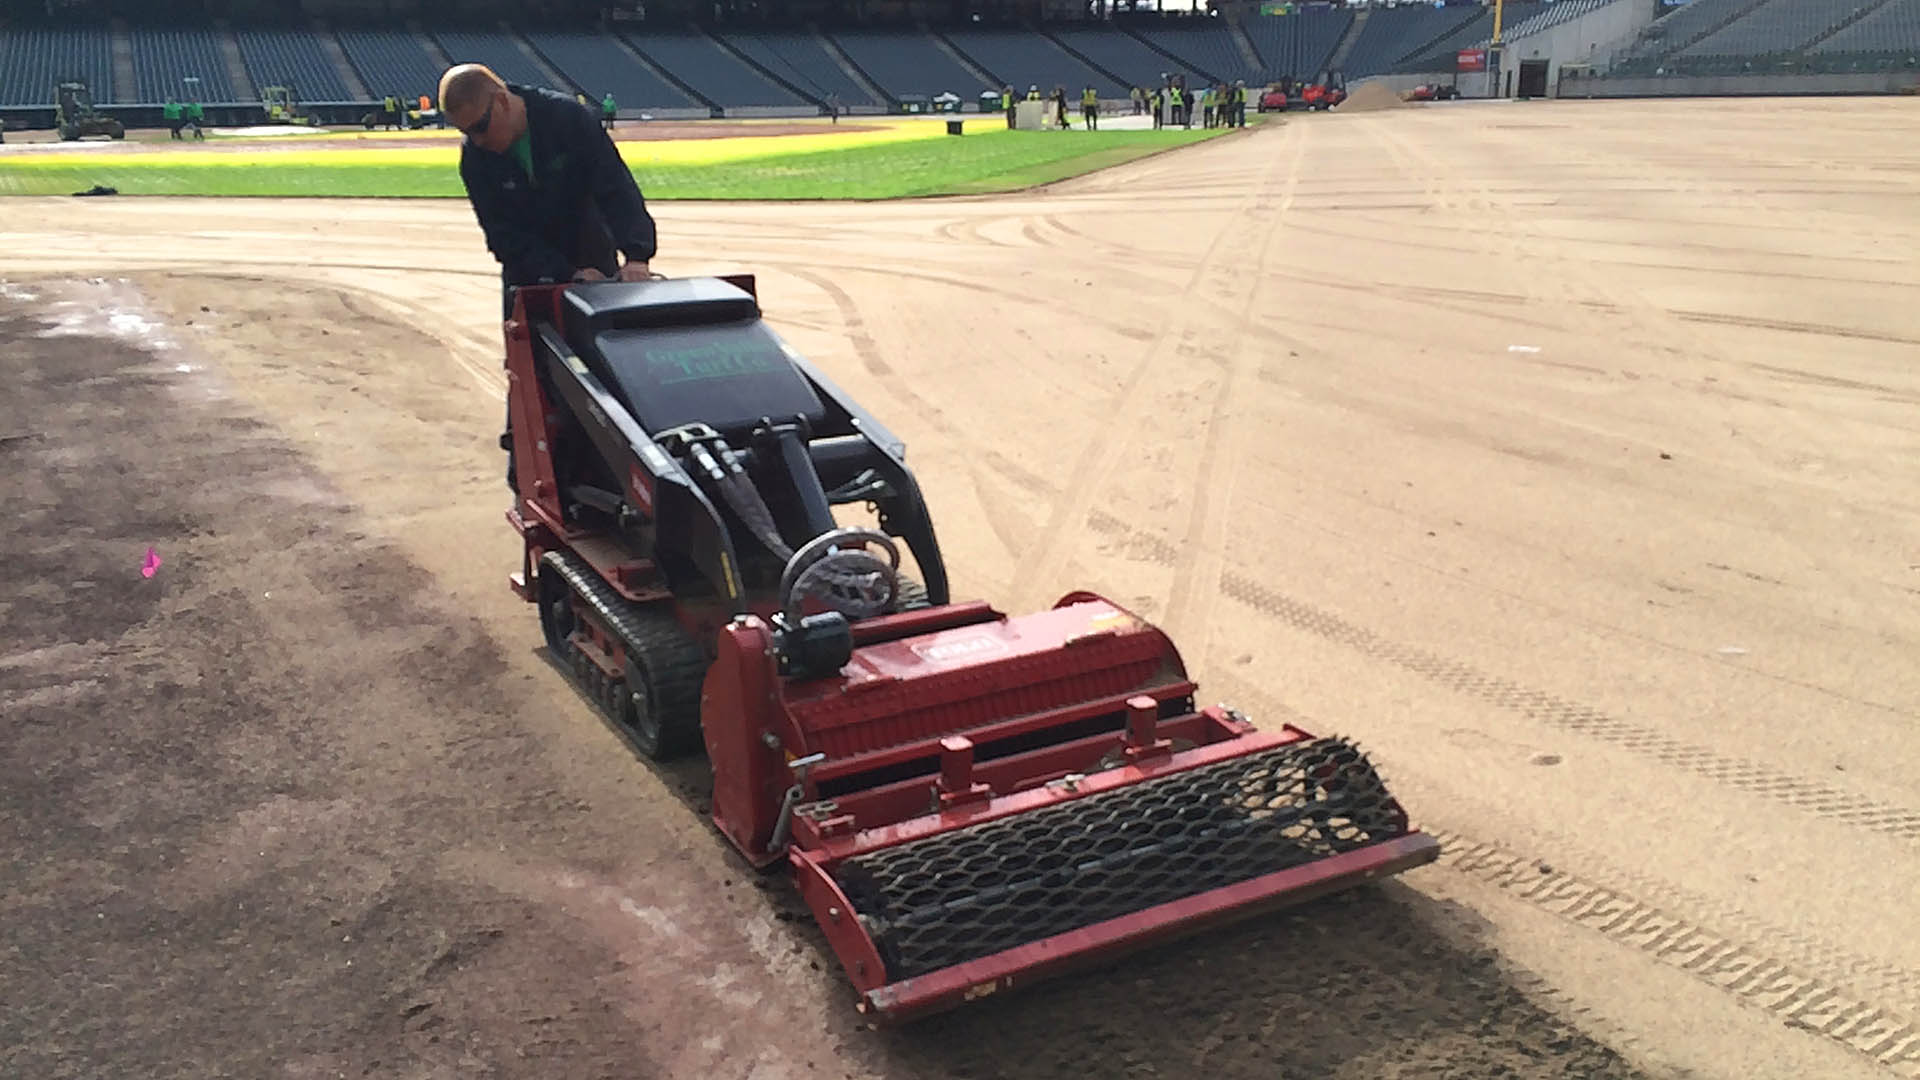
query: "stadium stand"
162, 58
1298, 45
32, 60
497, 51
909, 64
1726, 37
1207, 50
713, 72
1022, 58
283, 58
1439, 55
391, 62
803, 61
600, 65
796, 69
1775, 28
1123, 54
1550, 16
1393, 34
1893, 31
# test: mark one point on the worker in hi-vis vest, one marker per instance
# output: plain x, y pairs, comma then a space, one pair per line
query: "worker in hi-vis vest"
1090, 107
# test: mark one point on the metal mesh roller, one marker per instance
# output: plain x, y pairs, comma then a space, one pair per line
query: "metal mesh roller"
969, 893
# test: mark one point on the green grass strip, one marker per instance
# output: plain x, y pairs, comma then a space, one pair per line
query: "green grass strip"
996, 160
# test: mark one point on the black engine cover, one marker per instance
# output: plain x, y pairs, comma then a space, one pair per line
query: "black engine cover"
687, 350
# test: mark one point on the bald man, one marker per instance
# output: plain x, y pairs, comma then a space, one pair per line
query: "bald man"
553, 197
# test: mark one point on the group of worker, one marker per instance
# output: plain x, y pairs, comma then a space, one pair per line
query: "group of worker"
180, 117
1172, 103
1057, 102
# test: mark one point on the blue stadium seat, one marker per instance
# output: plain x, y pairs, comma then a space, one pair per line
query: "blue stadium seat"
32, 60
802, 60
163, 58
496, 50
1123, 54
712, 71
391, 62
1894, 30
599, 64
283, 58
1022, 58
1396, 33
1299, 44
908, 63
1208, 51
1775, 27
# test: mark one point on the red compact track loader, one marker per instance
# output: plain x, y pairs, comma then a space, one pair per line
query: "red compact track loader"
967, 800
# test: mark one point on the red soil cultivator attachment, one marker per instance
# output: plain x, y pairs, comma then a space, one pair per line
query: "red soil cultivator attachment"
968, 801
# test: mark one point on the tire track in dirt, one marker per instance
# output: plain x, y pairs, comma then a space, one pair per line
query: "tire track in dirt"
1806, 982
1056, 542
1659, 330
1810, 796
1196, 583
1818, 987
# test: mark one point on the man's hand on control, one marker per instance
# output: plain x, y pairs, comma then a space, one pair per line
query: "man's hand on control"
635, 271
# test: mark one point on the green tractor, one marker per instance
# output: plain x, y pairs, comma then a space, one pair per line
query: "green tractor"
283, 108
77, 118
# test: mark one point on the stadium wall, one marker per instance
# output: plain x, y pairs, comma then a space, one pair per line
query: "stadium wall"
1875, 82
1592, 39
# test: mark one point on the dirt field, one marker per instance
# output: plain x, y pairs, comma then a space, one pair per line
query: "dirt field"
1565, 454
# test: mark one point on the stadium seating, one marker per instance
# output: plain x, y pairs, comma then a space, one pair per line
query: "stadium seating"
497, 51
713, 72
600, 65
1439, 56
163, 58
1298, 45
1395, 33
1775, 27
32, 60
799, 69
283, 58
802, 60
1551, 15
1022, 58
908, 64
1123, 54
1204, 50
391, 62
1892, 31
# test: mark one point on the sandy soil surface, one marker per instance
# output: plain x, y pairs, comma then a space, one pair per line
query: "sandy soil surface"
1562, 453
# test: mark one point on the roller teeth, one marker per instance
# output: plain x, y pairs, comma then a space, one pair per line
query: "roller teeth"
973, 892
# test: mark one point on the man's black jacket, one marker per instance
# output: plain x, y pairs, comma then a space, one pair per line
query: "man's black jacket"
580, 208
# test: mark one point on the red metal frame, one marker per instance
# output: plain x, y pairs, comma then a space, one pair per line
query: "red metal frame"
756, 722
943, 719
1063, 953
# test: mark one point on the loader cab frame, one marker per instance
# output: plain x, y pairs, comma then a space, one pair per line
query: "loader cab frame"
642, 399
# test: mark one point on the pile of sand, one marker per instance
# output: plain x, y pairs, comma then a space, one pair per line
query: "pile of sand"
1370, 96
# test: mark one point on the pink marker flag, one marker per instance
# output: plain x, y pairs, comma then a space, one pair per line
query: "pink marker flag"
151, 564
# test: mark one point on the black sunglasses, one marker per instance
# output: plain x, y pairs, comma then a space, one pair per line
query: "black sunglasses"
479, 127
